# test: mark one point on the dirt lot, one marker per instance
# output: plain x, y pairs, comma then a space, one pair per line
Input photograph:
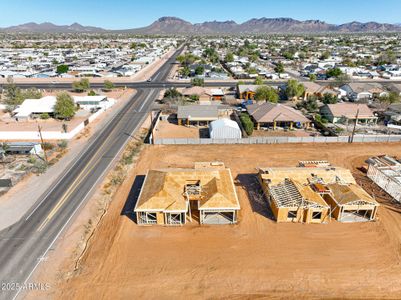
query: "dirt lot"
166, 129
294, 133
255, 259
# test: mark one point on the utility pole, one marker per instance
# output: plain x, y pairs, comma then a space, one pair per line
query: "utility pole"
151, 128
41, 139
356, 121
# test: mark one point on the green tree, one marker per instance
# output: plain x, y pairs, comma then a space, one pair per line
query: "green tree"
247, 123
187, 59
199, 70
312, 77
265, 93
329, 99
197, 82
342, 79
65, 106
334, 72
185, 71
61, 69
388, 57
194, 97
229, 57
82, 85
92, 93
279, 68
172, 93
294, 89
108, 85
325, 55
309, 104
288, 55
14, 96
391, 98
258, 81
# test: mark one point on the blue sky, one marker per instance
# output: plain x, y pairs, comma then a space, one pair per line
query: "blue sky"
118, 14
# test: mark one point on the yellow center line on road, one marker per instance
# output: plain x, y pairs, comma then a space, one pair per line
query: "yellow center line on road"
75, 184
68, 193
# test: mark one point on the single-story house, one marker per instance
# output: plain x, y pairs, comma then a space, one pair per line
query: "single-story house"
315, 194
247, 91
190, 114
175, 196
270, 114
312, 88
25, 148
197, 113
93, 102
199, 91
35, 107
204, 94
346, 113
363, 91
224, 129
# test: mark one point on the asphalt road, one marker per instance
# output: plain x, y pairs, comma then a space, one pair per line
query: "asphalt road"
160, 84
25, 244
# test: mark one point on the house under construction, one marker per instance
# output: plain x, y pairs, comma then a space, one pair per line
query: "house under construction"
315, 192
385, 171
175, 196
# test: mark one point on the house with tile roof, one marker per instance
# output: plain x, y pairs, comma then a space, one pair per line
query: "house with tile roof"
348, 113
270, 114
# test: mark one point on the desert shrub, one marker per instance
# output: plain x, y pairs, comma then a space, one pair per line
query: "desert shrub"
63, 144
47, 146
31, 160
44, 116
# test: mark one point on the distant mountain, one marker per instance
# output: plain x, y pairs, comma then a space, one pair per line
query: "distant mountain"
51, 28
368, 27
284, 25
173, 25
165, 25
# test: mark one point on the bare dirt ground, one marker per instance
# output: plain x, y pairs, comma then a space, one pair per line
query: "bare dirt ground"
256, 258
294, 133
166, 129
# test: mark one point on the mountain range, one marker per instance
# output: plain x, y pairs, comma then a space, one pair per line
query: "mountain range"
173, 25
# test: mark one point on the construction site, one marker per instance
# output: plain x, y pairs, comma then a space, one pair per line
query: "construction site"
316, 192
254, 258
385, 171
172, 197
